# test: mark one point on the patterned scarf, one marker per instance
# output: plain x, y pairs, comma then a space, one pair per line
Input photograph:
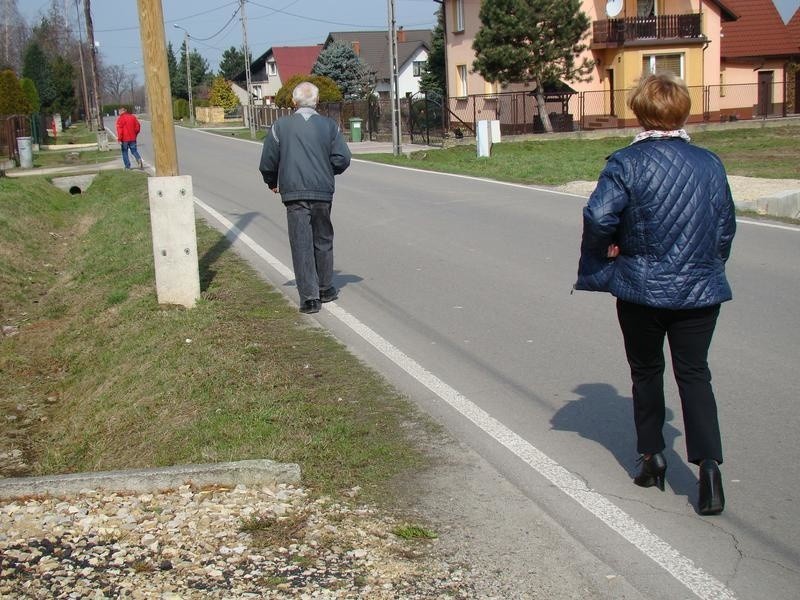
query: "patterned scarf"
655, 134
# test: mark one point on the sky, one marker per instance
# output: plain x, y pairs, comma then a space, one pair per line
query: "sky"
213, 30
269, 23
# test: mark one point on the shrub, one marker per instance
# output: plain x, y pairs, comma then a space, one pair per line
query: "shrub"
328, 91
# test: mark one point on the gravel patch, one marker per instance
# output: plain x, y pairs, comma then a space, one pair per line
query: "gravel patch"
217, 542
744, 189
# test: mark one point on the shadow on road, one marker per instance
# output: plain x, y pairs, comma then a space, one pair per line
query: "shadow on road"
602, 415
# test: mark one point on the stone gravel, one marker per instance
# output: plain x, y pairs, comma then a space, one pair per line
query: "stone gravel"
217, 542
743, 189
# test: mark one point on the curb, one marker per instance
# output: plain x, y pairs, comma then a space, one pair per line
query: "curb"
246, 472
779, 204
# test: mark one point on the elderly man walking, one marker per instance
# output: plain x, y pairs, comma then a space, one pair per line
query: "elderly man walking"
301, 155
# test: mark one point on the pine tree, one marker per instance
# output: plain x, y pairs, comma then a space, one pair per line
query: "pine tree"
434, 76
63, 82
232, 63
340, 63
36, 67
532, 41
174, 74
222, 94
29, 89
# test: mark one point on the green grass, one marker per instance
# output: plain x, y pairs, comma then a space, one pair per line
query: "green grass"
242, 134
414, 532
77, 133
51, 158
100, 376
759, 152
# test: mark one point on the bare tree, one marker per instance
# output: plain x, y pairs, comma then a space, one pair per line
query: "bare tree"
14, 35
115, 82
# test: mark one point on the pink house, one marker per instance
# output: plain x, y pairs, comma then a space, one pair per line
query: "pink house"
713, 45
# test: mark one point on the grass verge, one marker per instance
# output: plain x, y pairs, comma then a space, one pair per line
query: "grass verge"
64, 158
760, 152
96, 375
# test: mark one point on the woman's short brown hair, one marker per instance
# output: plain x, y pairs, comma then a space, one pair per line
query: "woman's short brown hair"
661, 102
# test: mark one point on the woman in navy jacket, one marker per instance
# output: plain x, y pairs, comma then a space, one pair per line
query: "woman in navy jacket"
657, 232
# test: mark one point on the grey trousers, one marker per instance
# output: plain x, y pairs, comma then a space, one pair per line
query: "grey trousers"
311, 241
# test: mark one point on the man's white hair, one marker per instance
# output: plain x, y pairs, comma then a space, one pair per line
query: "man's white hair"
306, 94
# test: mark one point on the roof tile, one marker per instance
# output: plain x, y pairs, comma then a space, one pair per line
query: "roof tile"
759, 31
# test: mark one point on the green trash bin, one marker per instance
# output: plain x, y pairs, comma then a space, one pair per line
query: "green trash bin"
355, 129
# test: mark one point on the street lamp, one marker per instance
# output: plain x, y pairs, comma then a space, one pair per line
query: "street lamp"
186, 37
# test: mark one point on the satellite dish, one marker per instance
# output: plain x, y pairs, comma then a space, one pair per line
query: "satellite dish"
614, 7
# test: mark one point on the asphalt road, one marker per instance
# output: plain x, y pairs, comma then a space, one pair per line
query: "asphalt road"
458, 290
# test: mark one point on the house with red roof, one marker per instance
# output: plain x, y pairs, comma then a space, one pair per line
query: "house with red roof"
626, 39
757, 54
271, 69
794, 67
736, 56
372, 47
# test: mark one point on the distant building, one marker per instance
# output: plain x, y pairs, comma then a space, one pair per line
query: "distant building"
413, 46
271, 69
759, 48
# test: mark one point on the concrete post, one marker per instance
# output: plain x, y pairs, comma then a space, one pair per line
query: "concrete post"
174, 240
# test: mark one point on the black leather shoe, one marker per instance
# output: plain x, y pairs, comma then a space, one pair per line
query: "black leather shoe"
711, 497
653, 471
329, 295
311, 306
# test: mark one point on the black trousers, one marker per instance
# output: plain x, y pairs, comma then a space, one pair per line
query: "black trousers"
689, 333
311, 241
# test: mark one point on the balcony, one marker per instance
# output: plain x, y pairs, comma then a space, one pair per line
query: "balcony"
644, 30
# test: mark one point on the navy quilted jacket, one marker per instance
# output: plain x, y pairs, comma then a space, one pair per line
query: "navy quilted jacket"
667, 205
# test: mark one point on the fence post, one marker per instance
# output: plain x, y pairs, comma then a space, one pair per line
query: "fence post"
427, 122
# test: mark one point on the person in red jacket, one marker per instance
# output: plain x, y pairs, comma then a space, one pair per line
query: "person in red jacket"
127, 130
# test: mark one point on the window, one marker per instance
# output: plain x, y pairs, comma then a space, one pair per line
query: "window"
257, 92
491, 88
645, 8
461, 80
458, 16
663, 63
272, 69
418, 67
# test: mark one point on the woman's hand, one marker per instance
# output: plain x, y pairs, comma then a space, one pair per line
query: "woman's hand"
613, 251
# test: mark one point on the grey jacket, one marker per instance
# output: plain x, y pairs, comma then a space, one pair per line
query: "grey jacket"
301, 155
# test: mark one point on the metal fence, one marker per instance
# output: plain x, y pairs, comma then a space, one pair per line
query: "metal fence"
519, 112
431, 119
12, 127
421, 117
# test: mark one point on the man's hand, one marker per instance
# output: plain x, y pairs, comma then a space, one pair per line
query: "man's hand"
613, 251
274, 190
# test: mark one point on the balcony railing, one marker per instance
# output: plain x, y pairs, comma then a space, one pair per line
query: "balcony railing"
662, 27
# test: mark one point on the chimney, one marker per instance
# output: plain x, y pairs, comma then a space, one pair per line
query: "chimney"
401, 35
356, 47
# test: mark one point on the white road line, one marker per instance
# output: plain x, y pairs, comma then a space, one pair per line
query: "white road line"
702, 584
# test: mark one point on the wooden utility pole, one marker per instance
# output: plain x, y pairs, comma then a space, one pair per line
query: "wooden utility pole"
86, 103
172, 216
157, 84
87, 11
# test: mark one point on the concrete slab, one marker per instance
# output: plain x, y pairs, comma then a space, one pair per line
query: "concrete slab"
247, 472
781, 204
76, 184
